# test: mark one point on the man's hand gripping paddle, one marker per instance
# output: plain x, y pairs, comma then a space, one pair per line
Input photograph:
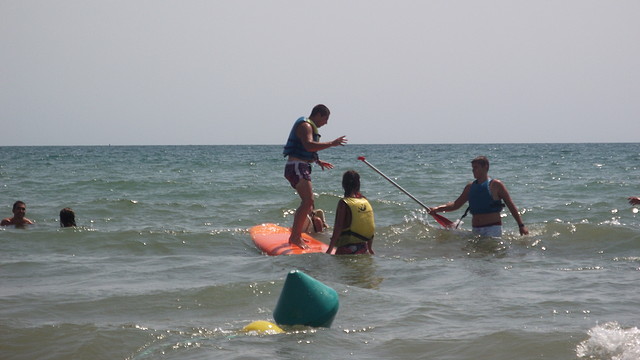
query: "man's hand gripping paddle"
448, 224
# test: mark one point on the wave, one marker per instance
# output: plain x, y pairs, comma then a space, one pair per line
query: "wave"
611, 341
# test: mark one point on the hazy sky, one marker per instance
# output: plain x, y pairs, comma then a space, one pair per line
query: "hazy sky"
84, 72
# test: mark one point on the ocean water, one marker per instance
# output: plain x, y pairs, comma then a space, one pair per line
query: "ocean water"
161, 265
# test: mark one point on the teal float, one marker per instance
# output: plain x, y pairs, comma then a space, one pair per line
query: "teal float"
306, 301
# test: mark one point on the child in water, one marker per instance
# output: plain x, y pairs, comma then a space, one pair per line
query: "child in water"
315, 222
67, 218
354, 226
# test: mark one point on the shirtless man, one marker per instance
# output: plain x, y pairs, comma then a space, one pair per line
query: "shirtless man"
485, 196
301, 151
18, 219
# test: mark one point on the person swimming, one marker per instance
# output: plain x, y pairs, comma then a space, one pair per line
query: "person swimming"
67, 218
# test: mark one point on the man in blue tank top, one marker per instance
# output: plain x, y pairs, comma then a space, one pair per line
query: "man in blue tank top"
485, 197
301, 151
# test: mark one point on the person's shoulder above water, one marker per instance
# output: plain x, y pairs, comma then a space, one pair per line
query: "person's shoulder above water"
18, 219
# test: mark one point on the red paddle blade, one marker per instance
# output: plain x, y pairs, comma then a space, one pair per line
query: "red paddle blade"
362, 158
448, 224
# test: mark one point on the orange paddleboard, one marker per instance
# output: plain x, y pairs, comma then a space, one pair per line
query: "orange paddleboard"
273, 239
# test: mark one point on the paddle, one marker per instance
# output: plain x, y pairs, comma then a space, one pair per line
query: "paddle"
439, 218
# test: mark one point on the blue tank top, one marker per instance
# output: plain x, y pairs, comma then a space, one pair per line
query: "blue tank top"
294, 146
480, 199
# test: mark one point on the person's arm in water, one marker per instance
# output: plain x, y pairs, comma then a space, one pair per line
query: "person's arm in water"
342, 220
504, 195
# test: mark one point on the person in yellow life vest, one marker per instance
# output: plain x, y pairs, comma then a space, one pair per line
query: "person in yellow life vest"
354, 227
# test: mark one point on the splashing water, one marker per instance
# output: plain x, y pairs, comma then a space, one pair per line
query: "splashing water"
611, 342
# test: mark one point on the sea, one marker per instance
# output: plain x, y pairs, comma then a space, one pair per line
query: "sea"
161, 264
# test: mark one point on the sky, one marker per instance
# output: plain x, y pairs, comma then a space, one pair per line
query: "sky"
215, 72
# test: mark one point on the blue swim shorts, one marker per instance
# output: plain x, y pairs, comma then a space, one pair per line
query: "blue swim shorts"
490, 231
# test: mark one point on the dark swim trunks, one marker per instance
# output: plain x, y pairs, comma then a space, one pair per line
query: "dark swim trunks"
352, 249
296, 170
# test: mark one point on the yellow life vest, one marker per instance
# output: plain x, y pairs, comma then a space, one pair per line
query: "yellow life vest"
362, 226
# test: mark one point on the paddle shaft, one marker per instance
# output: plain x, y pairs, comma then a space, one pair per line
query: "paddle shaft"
395, 184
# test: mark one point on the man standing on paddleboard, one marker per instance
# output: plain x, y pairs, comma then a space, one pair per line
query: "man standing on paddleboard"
301, 151
485, 196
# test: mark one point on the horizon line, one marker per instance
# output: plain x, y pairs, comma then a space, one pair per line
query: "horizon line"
359, 144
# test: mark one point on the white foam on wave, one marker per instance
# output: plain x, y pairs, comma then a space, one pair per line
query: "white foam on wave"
610, 342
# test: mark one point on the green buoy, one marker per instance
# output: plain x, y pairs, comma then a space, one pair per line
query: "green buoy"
306, 301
